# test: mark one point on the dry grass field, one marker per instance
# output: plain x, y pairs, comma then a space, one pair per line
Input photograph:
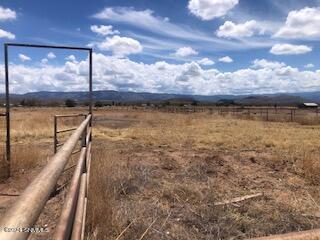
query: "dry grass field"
167, 175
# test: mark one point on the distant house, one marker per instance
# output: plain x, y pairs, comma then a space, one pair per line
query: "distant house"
308, 105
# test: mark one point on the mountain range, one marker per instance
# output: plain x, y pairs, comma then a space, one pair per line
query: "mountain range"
109, 95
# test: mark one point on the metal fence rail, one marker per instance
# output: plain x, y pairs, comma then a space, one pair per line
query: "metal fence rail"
26, 210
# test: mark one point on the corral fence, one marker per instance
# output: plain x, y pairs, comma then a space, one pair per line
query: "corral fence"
287, 114
268, 113
20, 219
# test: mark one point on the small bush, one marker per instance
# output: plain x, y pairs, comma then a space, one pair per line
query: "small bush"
70, 103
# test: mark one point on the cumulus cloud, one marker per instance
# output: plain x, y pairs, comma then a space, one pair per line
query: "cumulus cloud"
289, 49
206, 62
51, 55
104, 30
185, 52
120, 46
5, 34
210, 9
113, 73
232, 30
226, 59
7, 14
301, 24
309, 65
71, 58
24, 58
263, 63
44, 61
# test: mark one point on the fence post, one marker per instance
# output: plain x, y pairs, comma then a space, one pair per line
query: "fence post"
267, 114
291, 118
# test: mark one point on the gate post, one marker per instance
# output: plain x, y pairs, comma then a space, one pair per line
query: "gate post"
7, 162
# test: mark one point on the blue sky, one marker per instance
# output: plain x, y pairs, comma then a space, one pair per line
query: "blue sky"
186, 46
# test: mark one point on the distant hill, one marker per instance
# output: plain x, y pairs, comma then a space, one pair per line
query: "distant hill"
280, 99
113, 96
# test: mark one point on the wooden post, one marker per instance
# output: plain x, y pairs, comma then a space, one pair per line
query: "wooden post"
291, 115
267, 114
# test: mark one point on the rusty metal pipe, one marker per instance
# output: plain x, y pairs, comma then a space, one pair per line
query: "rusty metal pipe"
26, 210
88, 173
88, 163
64, 227
84, 218
77, 223
304, 235
66, 130
71, 115
88, 135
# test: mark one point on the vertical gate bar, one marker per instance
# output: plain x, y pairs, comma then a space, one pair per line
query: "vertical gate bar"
55, 138
8, 145
90, 83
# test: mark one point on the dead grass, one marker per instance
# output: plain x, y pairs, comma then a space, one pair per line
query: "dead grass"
170, 168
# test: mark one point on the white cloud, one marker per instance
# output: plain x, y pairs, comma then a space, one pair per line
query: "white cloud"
226, 59
185, 52
24, 58
71, 58
206, 62
147, 20
51, 55
301, 24
103, 30
114, 73
7, 14
232, 30
263, 63
168, 32
120, 46
5, 34
210, 9
44, 61
309, 65
289, 49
